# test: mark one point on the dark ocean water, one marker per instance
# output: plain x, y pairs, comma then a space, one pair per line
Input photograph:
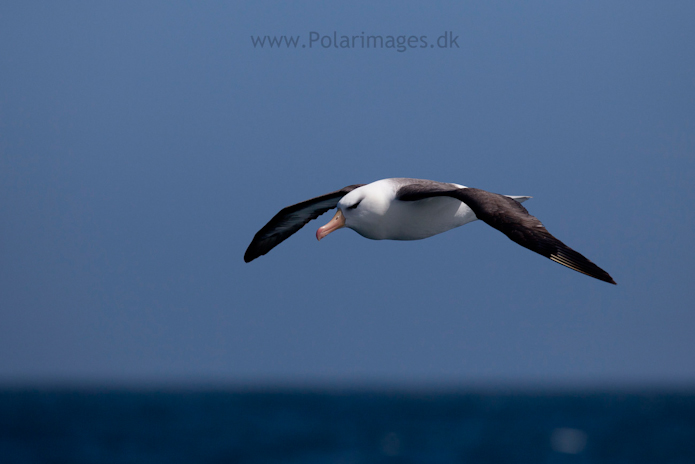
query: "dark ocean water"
294, 426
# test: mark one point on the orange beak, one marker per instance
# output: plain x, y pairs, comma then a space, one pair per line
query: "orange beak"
336, 223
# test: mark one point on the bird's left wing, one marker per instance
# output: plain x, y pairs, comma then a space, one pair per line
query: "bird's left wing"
290, 219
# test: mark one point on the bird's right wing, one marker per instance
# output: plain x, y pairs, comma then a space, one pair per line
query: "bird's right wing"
513, 220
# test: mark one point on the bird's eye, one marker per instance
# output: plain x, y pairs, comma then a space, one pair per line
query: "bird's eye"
355, 205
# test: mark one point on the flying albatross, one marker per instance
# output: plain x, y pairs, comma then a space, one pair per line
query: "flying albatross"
413, 209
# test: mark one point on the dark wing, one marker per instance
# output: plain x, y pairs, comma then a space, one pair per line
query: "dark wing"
418, 189
511, 218
289, 220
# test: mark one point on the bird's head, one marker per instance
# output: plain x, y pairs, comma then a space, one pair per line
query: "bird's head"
359, 210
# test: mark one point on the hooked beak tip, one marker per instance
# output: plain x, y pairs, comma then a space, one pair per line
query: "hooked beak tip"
336, 223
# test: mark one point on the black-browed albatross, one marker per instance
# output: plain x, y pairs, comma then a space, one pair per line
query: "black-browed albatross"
413, 209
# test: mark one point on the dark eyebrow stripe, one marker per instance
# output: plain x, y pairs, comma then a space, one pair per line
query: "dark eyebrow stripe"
355, 205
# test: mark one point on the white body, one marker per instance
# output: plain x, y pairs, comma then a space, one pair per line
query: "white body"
381, 217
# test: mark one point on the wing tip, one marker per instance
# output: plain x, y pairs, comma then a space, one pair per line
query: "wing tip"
251, 254
583, 266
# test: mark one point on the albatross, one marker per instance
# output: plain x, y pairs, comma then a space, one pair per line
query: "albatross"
413, 209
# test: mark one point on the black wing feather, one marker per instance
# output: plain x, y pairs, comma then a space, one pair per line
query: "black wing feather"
512, 219
290, 219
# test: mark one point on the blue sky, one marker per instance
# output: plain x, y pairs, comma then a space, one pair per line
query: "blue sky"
143, 144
